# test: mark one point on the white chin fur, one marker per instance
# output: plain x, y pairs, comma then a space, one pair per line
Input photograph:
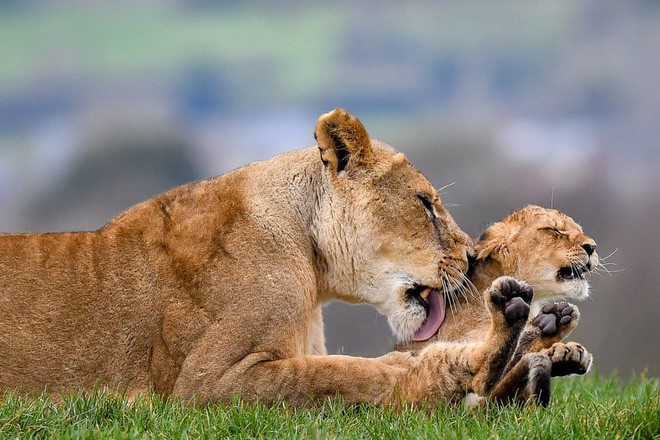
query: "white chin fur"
567, 291
405, 321
389, 298
578, 289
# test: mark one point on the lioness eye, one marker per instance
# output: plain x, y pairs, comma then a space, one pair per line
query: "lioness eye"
428, 205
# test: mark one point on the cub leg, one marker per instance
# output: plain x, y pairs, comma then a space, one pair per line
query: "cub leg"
552, 324
530, 377
508, 302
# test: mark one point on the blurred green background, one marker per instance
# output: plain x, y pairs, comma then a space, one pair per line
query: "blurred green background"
104, 104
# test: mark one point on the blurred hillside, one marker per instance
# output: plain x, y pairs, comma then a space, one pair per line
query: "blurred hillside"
509, 102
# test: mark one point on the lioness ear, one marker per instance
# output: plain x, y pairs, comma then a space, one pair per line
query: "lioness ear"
495, 240
343, 141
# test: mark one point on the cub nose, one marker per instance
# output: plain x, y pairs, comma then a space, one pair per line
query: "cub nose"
589, 248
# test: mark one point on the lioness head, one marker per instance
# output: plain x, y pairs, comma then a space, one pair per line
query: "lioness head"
384, 234
545, 248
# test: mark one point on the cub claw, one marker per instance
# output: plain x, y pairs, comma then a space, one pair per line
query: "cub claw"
569, 358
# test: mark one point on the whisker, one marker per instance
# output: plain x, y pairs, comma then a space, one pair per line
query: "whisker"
552, 198
453, 285
457, 272
372, 281
448, 295
468, 288
575, 266
601, 268
463, 291
612, 253
455, 296
462, 283
445, 187
472, 289
458, 293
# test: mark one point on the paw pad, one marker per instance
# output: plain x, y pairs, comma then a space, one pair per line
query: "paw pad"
513, 297
553, 317
516, 309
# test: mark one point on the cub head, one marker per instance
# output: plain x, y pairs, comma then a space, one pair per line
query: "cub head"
545, 248
383, 236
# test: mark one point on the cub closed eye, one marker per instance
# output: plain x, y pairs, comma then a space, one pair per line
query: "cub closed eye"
554, 231
428, 205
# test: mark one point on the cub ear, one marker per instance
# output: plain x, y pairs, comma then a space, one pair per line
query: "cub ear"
343, 141
494, 242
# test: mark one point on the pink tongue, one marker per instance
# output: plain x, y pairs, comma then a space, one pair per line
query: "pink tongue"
434, 319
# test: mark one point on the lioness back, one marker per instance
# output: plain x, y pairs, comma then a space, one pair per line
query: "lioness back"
61, 318
86, 308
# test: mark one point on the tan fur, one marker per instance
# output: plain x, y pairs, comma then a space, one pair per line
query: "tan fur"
214, 289
530, 244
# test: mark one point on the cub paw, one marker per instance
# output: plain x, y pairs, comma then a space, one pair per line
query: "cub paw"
557, 319
569, 358
512, 297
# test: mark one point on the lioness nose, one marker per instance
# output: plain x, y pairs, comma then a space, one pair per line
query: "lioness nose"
589, 248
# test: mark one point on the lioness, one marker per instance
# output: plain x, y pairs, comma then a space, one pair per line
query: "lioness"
214, 289
548, 250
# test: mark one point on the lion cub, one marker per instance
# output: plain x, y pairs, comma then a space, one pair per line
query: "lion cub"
550, 252
545, 248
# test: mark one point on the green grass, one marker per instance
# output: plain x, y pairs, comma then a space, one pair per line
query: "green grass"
592, 407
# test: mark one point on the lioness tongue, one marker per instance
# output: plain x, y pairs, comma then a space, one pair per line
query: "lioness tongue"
434, 319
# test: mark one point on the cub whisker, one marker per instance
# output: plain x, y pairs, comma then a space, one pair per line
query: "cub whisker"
611, 253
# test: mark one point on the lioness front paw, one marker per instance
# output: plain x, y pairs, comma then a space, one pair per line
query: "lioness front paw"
557, 319
569, 358
512, 297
